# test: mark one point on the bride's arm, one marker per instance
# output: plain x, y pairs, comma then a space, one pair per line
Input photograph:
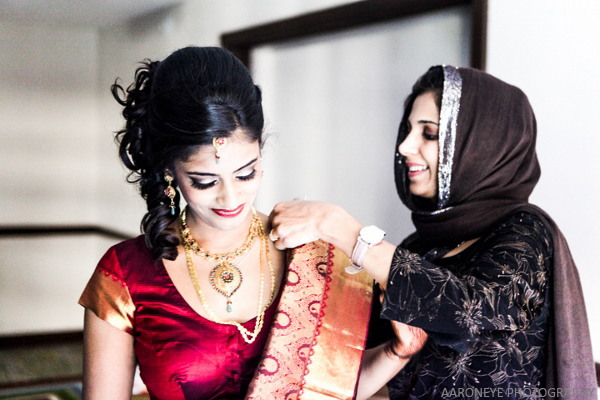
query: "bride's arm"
108, 362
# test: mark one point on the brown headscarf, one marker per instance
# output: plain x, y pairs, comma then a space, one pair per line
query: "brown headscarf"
487, 169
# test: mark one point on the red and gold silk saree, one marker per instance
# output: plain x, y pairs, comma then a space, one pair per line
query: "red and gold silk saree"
317, 340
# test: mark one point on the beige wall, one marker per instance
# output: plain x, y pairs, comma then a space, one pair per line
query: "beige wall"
48, 171
551, 50
332, 107
41, 280
48, 124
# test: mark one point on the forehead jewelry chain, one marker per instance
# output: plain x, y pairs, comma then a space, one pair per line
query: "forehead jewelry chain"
188, 239
248, 336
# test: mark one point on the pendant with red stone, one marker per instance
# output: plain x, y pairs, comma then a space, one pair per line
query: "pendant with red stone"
226, 279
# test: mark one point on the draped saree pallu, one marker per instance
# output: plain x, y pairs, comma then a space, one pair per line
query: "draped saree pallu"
316, 343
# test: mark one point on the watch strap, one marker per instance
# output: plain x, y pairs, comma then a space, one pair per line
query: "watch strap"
358, 254
368, 237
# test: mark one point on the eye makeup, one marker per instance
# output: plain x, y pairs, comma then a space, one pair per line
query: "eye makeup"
429, 135
428, 132
202, 186
248, 177
214, 178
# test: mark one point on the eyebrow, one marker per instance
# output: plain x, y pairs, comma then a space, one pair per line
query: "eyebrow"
237, 170
426, 121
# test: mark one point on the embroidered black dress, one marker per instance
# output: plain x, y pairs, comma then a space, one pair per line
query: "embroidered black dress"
485, 311
508, 312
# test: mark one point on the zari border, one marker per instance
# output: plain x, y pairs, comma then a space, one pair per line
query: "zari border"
448, 125
316, 343
108, 296
339, 345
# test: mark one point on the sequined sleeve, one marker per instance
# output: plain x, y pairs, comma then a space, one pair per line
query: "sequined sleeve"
502, 288
106, 294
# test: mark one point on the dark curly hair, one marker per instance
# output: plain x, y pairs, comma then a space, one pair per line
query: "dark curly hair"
172, 108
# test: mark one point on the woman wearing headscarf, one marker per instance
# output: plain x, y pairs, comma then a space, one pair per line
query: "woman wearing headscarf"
486, 287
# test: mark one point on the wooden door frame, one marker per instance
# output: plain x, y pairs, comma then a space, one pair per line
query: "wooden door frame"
355, 15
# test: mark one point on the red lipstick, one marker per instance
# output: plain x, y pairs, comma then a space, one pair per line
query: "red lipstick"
229, 213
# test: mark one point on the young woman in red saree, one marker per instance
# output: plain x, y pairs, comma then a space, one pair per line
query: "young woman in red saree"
202, 301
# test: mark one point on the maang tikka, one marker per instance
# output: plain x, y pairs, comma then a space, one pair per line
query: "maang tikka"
170, 192
218, 143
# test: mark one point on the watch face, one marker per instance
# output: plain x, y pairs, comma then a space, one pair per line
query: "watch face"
372, 234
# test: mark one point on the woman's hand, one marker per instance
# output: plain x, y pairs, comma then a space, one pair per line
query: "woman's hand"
298, 222
409, 340
382, 363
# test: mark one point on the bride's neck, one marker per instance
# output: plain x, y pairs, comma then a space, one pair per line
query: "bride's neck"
215, 240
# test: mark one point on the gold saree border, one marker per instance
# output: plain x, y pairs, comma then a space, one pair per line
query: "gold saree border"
316, 343
108, 297
334, 368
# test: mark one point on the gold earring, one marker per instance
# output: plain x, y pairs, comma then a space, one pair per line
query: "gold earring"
170, 192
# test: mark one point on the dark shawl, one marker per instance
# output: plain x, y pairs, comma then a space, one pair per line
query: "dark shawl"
487, 170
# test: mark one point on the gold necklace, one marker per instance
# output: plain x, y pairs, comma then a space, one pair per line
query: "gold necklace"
225, 277
248, 336
187, 238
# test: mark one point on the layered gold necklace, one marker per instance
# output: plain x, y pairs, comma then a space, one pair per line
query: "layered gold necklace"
191, 242
225, 277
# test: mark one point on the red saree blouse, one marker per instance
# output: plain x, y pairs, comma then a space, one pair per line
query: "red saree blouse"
181, 354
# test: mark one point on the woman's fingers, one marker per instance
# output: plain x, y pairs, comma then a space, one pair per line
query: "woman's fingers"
273, 236
294, 240
294, 223
287, 234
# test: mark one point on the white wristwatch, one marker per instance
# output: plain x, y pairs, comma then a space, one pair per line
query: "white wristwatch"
369, 236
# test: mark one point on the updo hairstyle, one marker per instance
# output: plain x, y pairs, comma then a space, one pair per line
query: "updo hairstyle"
172, 108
